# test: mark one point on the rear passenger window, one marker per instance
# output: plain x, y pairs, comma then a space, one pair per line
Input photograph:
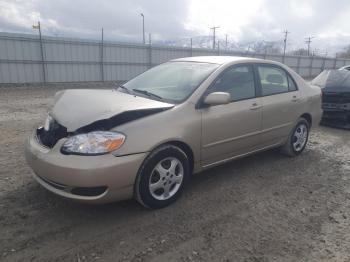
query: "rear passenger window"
291, 84
238, 81
273, 80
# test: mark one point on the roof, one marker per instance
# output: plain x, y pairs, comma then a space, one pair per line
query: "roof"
216, 59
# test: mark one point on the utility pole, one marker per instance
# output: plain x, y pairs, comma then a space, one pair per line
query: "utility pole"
308, 42
150, 38
143, 28
285, 41
214, 30
226, 42
41, 50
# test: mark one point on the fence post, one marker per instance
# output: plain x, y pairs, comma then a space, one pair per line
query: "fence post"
102, 69
191, 48
298, 65
323, 64
311, 66
150, 51
42, 53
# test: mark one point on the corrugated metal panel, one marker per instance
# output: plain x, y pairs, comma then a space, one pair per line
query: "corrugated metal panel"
68, 60
305, 61
330, 63
316, 71
304, 72
341, 63
291, 61
317, 62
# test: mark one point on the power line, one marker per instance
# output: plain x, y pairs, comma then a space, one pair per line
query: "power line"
285, 41
308, 42
214, 30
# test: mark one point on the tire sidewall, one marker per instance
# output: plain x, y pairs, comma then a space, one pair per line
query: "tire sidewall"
306, 123
142, 191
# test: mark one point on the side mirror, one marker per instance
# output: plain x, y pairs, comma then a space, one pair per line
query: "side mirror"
217, 98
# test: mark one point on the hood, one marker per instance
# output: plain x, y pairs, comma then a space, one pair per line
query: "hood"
101, 109
333, 81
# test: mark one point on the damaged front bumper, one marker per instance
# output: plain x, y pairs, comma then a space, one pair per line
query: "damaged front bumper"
336, 110
91, 179
336, 118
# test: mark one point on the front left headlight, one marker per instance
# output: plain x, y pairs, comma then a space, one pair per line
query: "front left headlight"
93, 143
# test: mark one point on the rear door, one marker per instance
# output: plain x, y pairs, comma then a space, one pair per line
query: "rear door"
232, 129
281, 103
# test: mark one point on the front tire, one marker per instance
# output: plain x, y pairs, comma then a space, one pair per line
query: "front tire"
162, 177
298, 138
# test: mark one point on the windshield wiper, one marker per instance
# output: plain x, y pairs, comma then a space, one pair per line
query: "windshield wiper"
125, 89
147, 93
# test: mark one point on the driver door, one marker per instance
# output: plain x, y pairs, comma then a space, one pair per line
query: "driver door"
232, 129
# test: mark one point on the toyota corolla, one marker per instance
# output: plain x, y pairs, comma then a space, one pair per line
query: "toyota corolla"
145, 139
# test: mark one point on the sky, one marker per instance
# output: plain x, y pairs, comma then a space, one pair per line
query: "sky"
178, 20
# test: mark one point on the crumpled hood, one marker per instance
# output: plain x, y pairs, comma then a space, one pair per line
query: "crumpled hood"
78, 108
333, 81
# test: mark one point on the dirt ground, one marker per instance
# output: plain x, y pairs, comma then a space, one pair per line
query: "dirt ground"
265, 207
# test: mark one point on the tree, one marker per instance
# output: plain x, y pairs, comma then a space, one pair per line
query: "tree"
299, 51
345, 53
262, 47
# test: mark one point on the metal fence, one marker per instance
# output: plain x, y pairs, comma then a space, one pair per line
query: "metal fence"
24, 60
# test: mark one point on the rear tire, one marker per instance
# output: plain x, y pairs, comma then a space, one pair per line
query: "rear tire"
297, 139
162, 177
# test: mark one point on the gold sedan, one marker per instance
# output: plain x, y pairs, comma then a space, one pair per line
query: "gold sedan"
145, 138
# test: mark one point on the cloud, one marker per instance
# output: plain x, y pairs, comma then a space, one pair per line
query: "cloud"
242, 21
120, 19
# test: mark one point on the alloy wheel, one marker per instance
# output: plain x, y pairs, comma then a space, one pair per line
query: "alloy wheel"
166, 178
300, 137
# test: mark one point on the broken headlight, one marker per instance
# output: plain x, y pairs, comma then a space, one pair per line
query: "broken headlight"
93, 143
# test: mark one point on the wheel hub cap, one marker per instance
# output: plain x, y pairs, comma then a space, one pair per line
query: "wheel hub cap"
300, 137
166, 178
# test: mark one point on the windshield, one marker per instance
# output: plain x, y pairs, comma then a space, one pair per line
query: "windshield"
172, 81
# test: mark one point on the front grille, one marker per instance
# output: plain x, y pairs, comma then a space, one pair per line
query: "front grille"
339, 119
50, 137
336, 115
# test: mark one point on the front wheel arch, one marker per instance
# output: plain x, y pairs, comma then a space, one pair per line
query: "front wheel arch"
183, 146
308, 118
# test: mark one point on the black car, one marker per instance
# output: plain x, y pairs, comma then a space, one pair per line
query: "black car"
335, 85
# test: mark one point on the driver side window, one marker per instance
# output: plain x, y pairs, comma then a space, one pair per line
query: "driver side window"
238, 81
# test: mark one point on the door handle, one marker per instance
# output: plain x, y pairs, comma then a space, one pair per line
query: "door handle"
255, 106
295, 99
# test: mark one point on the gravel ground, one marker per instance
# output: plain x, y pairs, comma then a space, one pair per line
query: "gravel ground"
266, 207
